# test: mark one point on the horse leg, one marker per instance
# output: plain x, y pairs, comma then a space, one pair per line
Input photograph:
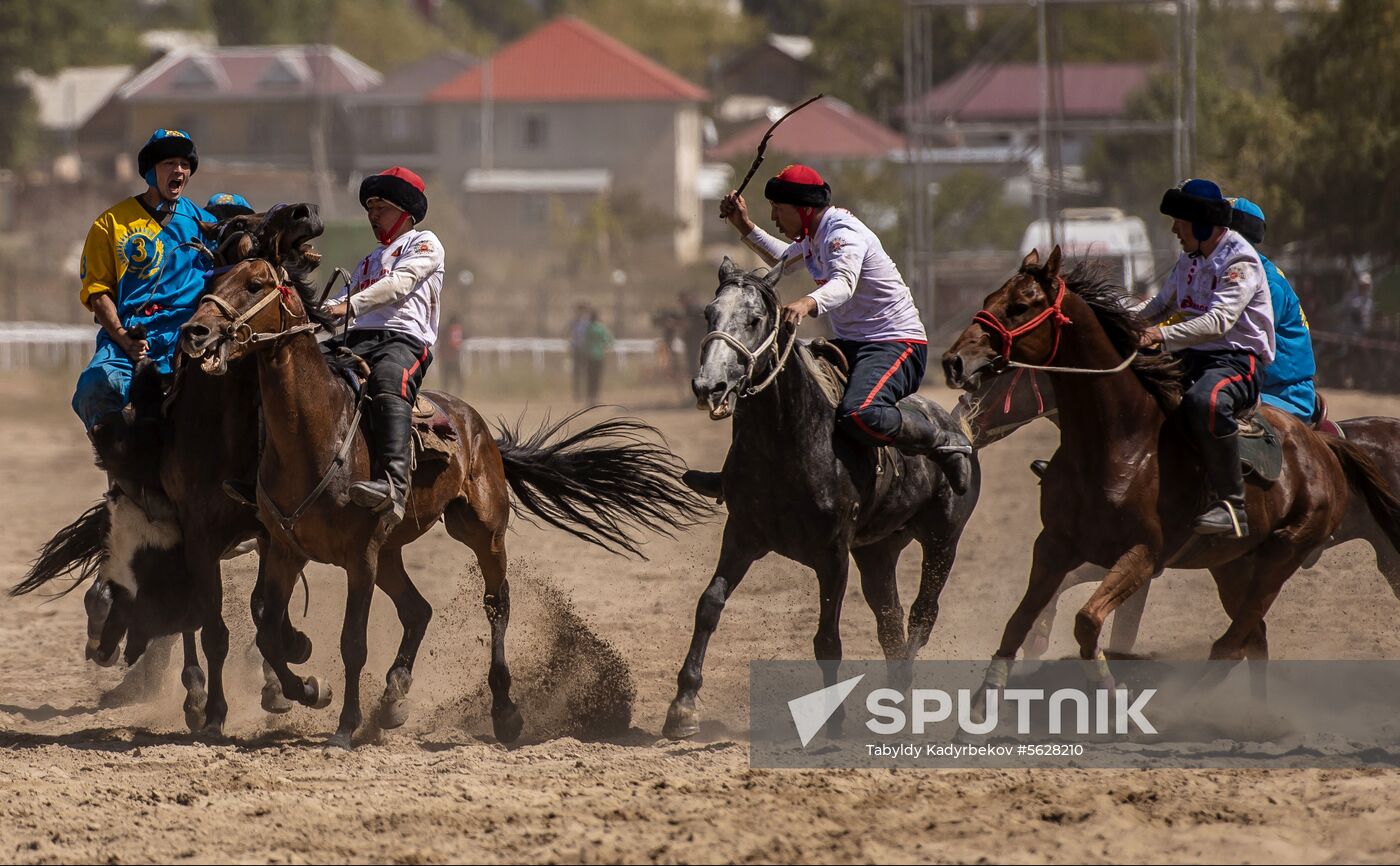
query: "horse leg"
354, 641
937, 564
483, 530
1232, 584
877, 565
826, 643
194, 681
282, 565
735, 558
1133, 569
296, 646
204, 572
1273, 563
1051, 560
1039, 639
414, 614
1127, 620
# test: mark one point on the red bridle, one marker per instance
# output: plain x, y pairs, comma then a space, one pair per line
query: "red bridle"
1008, 336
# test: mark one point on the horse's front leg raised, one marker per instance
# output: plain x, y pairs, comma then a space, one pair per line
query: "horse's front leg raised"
735, 559
281, 565
1129, 574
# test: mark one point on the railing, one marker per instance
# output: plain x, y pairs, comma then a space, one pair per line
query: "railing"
41, 345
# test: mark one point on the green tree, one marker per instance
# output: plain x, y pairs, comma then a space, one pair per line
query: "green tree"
686, 36
1341, 75
45, 37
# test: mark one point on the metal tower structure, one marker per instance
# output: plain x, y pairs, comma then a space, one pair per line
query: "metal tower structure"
923, 130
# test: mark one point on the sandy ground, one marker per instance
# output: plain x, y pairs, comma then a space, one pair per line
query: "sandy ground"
81, 783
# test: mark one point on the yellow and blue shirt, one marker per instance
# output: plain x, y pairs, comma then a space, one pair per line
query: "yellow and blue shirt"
153, 280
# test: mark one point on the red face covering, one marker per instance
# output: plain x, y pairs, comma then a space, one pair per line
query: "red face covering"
385, 237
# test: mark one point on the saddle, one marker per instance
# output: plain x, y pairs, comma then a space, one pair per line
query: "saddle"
1261, 446
433, 432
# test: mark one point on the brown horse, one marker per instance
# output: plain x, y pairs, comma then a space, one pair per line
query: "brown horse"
1123, 487
597, 484
1003, 404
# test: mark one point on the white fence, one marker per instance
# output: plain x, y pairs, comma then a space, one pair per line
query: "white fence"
40, 345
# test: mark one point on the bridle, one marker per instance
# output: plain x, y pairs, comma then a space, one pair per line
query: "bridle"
239, 331
751, 357
1056, 314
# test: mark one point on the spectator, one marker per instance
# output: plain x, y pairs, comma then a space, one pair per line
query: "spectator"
1358, 307
452, 356
597, 341
578, 350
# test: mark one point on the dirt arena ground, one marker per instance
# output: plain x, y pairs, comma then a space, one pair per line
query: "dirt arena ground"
81, 783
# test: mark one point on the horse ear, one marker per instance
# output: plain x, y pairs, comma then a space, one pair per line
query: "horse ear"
1032, 258
1052, 264
774, 274
727, 270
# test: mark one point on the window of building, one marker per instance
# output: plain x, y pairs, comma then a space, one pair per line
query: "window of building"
536, 132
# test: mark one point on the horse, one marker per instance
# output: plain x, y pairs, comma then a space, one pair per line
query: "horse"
796, 488
155, 570
599, 484
1003, 404
1121, 490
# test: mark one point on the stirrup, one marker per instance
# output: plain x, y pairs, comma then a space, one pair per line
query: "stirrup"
1238, 527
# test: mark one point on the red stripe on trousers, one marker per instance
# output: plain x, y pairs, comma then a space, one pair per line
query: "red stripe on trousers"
403, 388
880, 437
1215, 392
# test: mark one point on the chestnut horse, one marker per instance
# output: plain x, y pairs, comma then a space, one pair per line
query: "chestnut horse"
1123, 487
598, 484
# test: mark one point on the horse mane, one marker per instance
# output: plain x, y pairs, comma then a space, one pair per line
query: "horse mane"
1160, 373
298, 270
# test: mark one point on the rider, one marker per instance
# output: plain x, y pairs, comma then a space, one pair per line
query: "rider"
140, 279
226, 205
393, 309
872, 312
1287, 383
1225, 338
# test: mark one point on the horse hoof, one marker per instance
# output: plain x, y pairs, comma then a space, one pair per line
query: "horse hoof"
318, 696
340, 740
682, 722
507, 724
393, 709
213, 729
195, 702
273, 701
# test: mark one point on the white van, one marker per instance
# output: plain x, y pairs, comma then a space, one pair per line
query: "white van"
1101, 233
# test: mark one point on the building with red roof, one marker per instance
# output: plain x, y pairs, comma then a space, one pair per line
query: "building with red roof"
826, 131
559, 117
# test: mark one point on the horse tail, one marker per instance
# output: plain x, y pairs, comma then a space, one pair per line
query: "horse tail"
600, 484
80, 546
1365, 476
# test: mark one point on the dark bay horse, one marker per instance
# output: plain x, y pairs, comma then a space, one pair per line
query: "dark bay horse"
795, 488
599, 484
1121, 490
157, 569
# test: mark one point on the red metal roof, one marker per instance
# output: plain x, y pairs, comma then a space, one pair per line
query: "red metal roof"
828, 128
1011, 91
566, 60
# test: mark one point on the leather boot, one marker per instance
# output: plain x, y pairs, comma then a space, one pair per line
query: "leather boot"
707, 484
919, 436
1222, 464
387, 489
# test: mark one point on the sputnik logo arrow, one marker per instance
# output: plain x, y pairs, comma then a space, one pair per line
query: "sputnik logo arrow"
811, 711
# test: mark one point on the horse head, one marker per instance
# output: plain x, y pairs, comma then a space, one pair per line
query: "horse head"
1016, 323
744, 322
256, 301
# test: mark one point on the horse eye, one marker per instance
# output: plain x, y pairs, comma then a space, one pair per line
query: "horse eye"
755, 321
